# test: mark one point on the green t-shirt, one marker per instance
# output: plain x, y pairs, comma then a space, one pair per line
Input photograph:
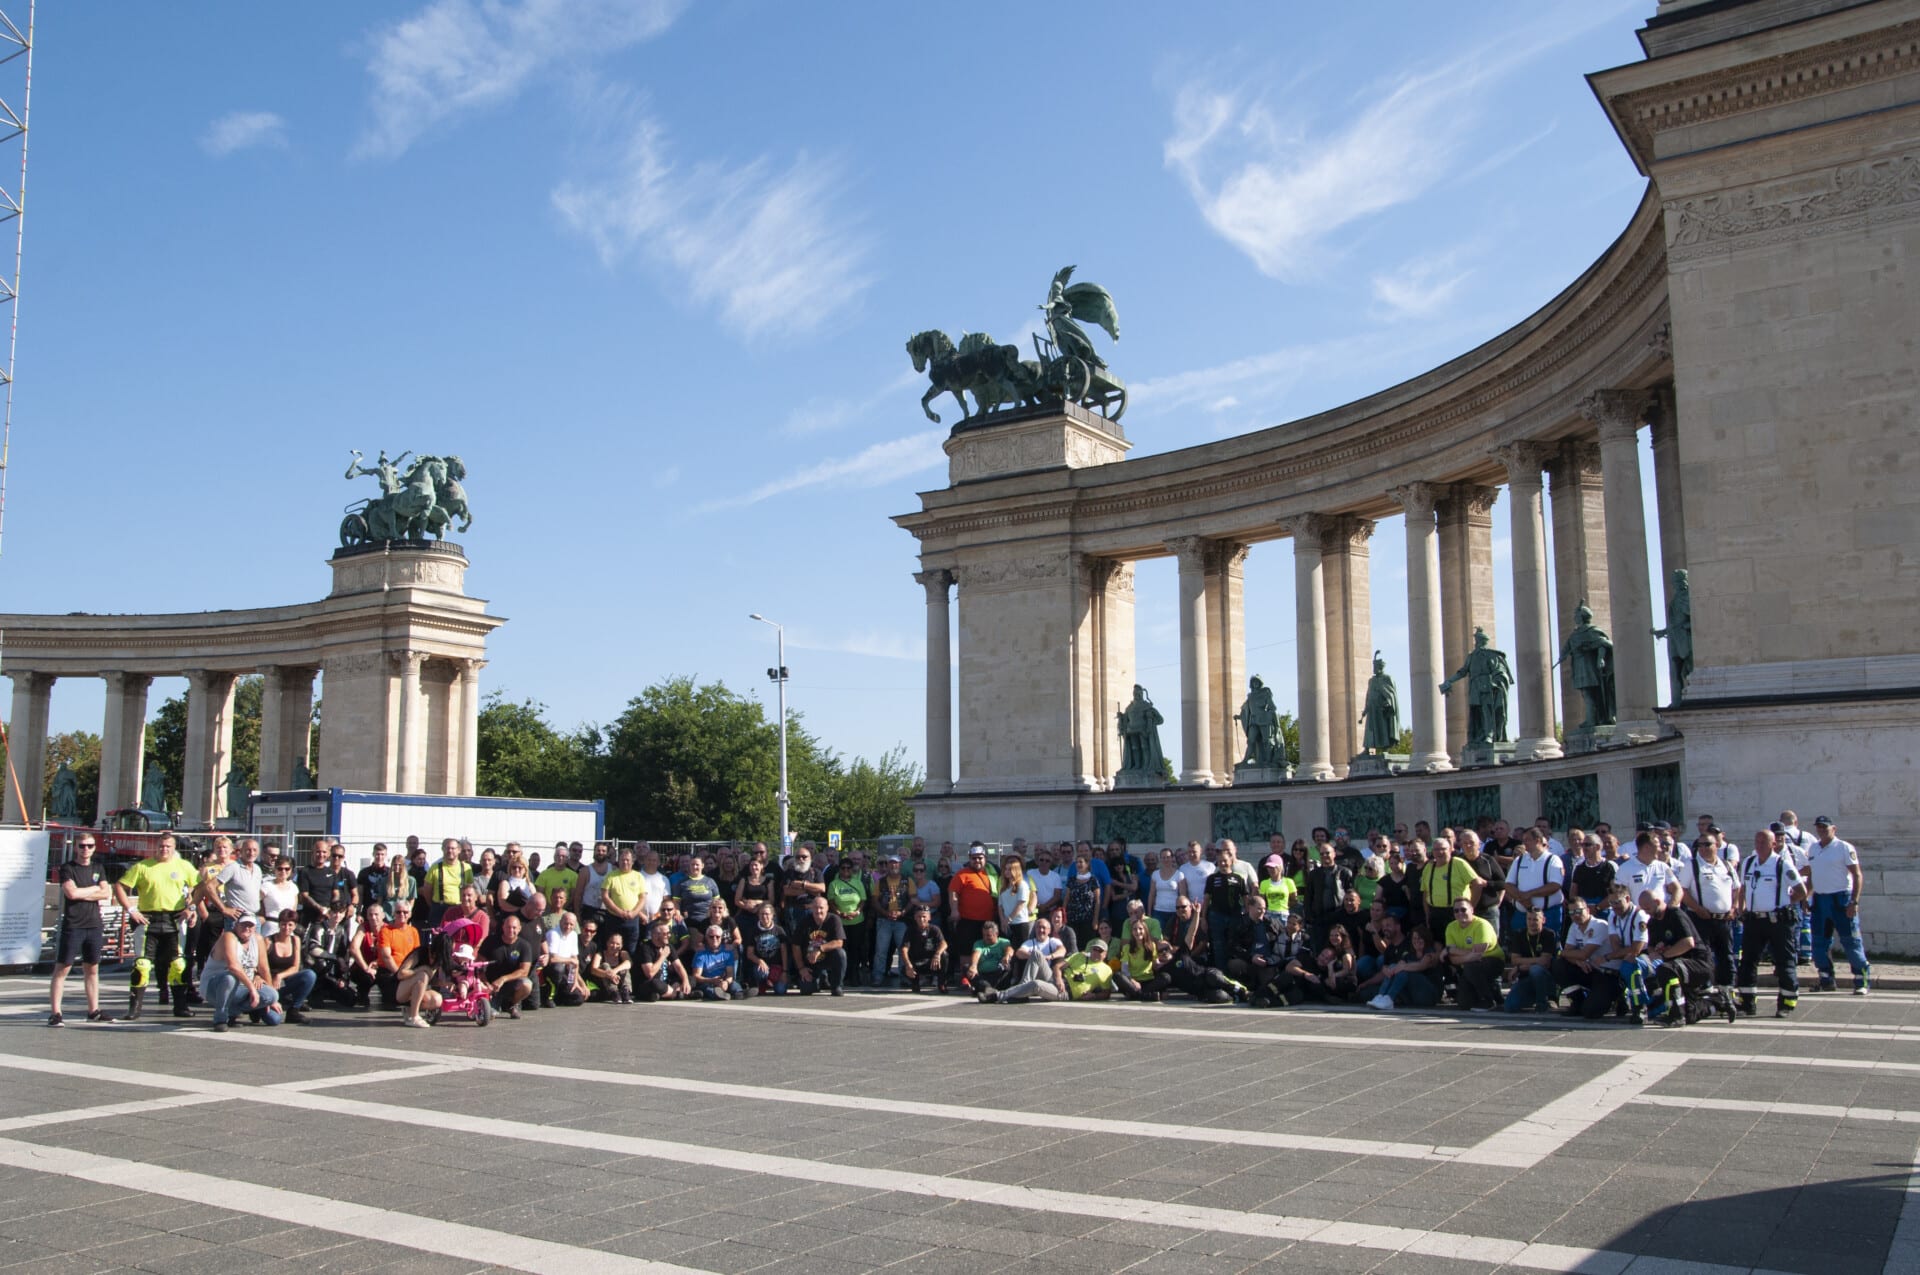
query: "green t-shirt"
1085, 976
552, 878
160, 886
1478, 930
992, 955
1279, 895
846, 896
624, 890
1366, 887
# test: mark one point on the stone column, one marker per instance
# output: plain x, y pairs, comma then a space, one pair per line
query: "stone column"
1666, 486
203, 793
123, 741
1227, 628
466, 765
1310, 627
1579, 553
1532, 641
296, 721
1617, 414
1422, 695
1196, 678
27, 748
1465, 517
1344, 568
938, 585
410, 762
1114, 685
274, 766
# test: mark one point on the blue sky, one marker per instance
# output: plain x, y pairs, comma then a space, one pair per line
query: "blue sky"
649, 267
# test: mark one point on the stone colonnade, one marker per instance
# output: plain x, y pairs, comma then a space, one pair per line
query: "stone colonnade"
1599, 547
397, 646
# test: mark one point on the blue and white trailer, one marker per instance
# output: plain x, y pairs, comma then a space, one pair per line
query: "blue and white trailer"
358, 819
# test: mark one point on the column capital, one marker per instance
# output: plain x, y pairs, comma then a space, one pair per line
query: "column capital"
1525, 460
1307, 531
210, 680
1467, 501
1227, 555
1616, 414
127, 682
26, 678
1191, 551
1417, 499
1341, 532
936, 581
407, 661
1573, 460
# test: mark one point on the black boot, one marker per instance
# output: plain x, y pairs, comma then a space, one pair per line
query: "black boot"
134, 998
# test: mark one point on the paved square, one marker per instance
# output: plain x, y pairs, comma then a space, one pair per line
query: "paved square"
919, 1134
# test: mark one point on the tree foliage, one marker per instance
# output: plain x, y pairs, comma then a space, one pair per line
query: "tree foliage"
521, 755
167, 737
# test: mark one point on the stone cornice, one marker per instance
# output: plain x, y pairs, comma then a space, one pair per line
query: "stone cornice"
1796, 207
1756, 83
1567, 341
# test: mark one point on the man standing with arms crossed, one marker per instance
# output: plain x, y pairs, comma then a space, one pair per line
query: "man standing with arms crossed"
82, 891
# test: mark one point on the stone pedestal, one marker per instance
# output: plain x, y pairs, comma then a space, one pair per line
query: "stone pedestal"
1368, 765
1057, 436
1132, 779
1588, 739
1245, 775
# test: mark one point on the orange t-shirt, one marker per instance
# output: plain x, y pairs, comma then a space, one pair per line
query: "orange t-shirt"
973, 895
399, 942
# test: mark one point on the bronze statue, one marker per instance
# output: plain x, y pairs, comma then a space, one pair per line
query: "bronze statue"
66, 794
1140, 752
1588, 651
425, 501
239, 793
302, 776
1488, 677
1266, 746
153, 788
1679, 634
1382, 713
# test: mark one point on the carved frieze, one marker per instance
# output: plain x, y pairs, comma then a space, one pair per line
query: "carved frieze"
1011, 573
1805, 204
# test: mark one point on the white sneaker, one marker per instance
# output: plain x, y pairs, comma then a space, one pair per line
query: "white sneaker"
414, 1020
1382, 1001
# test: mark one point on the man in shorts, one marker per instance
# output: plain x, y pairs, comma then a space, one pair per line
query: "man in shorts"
82, 891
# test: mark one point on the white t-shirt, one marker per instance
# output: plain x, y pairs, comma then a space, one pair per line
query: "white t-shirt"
1165, 891
1711, 884
277, 897
1195, 875
1529, 873
656, 892
1592, 934
593, 886
1629, 929
1644, 877
1830, 863
1770, 885
1016, 903
563, 947
1047, 886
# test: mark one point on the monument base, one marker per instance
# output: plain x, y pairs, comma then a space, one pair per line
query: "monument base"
1244, 775
1136, 779
1368, 765
1474, 756
1583, 740
1054, 436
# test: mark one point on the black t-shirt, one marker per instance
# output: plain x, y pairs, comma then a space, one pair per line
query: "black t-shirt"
1591, 881
1671, 926
80, 914
503, 957
1545, 943
327, 887
794, 872
374, 886
766, 942
1488, 869
1394, 895
762, 891
922, 944
828, 931
1226, 892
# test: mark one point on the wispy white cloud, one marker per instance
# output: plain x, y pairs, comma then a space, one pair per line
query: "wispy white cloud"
878, 464
1421, 287
1279, 187
766, 244
458, 56
820, 415
871, 643
243, 130
1262, 378
1226, 402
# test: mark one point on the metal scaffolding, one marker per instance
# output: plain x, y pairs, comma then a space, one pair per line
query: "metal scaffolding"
16, 60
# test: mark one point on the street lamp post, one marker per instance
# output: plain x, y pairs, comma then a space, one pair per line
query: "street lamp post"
779, 674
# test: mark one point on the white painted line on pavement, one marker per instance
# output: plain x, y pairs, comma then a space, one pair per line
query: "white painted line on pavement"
425, 1233
373, 1077
863, 1102
1887, 1114
364, 1221
1534, 1137
138, 1107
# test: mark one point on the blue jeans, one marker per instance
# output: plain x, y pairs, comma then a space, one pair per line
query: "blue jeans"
888, 938
1411, 989
229, 997
1367, 966
1829, 918
1531, 986
299, 986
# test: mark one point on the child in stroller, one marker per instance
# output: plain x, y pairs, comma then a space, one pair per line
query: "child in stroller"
459, 987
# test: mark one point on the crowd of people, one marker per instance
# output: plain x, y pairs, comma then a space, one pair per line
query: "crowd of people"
1491, 918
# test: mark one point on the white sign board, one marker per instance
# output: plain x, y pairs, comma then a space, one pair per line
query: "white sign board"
23, 894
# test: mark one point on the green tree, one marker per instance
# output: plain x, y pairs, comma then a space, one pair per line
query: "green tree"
688, 761
522, 755
869, 799
1404, 745
81, 750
